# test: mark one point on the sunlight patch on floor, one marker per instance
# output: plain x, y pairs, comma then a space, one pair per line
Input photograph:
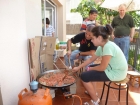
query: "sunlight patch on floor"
135, 96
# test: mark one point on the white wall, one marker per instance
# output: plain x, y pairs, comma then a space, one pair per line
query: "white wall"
33, 18
19, 20
74, 18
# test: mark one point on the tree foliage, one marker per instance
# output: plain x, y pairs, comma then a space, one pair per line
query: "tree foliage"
104, 15
84, 7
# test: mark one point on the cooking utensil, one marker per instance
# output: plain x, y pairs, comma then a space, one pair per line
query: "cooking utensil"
56, 66
53, 71
67, 75
70, 64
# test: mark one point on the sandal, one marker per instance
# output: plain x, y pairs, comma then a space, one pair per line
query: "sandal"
92, 102
86, 92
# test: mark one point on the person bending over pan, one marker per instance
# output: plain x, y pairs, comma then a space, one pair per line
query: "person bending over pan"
113, 66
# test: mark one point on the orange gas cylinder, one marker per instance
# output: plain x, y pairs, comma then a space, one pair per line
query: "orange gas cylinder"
41, 97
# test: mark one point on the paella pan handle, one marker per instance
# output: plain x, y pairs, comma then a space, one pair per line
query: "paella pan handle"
47, 91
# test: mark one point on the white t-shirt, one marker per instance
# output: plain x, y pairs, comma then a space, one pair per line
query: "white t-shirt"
87, 22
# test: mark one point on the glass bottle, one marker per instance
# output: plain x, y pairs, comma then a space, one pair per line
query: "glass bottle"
57, 43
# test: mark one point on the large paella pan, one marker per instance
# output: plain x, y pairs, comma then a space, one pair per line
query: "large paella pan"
56, 79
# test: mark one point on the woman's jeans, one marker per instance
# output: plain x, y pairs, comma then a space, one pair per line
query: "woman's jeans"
73, 57
124, 44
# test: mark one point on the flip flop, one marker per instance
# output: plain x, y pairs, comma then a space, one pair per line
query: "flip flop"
92, 102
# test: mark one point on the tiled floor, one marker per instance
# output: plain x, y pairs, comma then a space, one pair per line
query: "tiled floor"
134, 94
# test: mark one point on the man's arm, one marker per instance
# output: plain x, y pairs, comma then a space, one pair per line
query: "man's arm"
69, 45
112, 35
132, 31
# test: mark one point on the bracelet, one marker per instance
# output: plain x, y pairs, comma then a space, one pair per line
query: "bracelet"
88, 68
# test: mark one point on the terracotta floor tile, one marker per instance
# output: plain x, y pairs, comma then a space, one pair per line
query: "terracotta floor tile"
111, 95
135, 97
59, 100
110, 102
129, 103
99, 85
81, 93
77, 101
123, 95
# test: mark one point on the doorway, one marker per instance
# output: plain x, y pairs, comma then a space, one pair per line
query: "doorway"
48, 11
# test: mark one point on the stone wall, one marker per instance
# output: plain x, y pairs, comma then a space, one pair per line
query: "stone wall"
72, 29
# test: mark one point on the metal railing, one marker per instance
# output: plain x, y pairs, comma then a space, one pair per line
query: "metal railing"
134, 54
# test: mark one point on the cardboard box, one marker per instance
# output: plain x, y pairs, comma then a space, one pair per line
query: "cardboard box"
46, 62
41, 54
34, 46
47, 44
36, 67
49, 62
43, 45
50, 45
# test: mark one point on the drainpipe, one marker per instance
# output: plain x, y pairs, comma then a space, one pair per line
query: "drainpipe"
1, 103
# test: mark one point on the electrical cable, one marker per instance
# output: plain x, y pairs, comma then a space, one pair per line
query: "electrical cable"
73, 101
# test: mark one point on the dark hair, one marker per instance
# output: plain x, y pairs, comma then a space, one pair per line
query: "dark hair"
90, 27
92, 11
103, 31
47, 21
